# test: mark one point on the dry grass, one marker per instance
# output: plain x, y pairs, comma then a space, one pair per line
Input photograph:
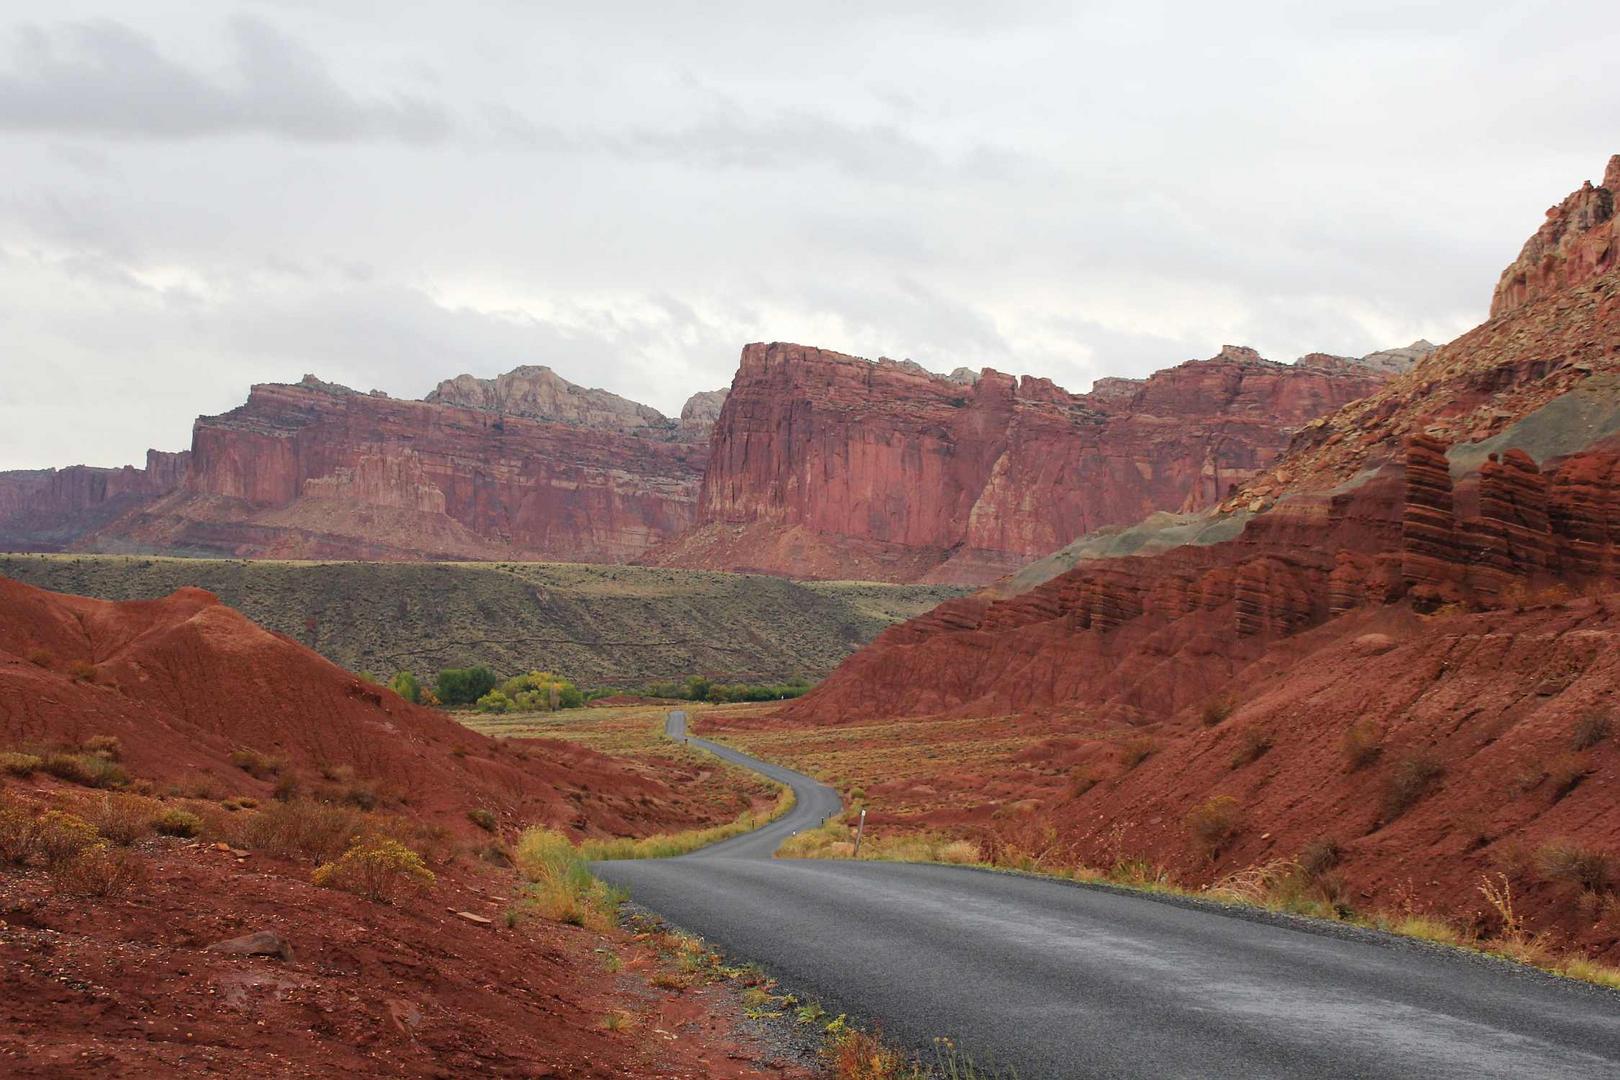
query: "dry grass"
564, 890
1564, 774
1134, 751
100, 871
1215, 823
858, 1055
298, 829
1216, 710
1363, 743
1566, 862
835, 840
1411, 778
122, 818
1252, 745
1590, 730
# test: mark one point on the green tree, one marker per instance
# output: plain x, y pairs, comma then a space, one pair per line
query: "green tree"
464, 686
407, 686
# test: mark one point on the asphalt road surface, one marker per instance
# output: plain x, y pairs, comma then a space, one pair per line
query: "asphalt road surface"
1056, 980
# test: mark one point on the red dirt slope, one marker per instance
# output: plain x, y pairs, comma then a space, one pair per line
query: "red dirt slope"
185, 680
455, 980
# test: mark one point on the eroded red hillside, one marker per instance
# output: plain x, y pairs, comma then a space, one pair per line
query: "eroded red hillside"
184, 681
457, 978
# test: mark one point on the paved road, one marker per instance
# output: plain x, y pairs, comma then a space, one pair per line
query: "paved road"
1057, 980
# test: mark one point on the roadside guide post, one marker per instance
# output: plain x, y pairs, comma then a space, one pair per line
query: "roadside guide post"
860, 831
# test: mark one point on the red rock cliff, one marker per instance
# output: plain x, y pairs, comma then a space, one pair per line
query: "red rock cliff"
1579, 241
830, 465
47, 508
316, 471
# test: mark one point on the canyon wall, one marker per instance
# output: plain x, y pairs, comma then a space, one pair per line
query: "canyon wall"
822, 466
46, 509
829, 465
316, 471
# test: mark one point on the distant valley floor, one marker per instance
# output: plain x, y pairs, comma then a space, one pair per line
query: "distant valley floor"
598, 625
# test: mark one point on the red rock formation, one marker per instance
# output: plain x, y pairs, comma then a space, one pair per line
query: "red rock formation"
1375, 503
1429, 548
826, 465
316, 471
541, 394
1579, 241
43, 509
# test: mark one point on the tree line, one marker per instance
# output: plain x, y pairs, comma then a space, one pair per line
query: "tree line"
543, 691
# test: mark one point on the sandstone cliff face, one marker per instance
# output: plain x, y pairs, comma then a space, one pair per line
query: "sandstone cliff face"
43, 509
830, 465
1579, 241
541, 394
700, 412
315, 471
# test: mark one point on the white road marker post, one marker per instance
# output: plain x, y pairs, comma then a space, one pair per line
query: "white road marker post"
860, 831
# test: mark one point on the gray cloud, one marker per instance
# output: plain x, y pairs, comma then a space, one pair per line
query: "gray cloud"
630, 190
100, 77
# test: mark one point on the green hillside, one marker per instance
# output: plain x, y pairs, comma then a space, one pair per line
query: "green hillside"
599, 625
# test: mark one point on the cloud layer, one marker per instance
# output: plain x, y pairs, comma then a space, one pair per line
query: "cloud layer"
629, 191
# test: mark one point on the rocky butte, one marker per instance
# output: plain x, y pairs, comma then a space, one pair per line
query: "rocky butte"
827, 465
524, 466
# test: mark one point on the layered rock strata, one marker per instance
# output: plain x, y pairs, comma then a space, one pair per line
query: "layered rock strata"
828, 465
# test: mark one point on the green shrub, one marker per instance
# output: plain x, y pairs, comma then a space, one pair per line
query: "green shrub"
19, 764
407, 686
99, 871
484, 819
377, 868
90, 770
464, 686
257, 765
538, 691
177, 822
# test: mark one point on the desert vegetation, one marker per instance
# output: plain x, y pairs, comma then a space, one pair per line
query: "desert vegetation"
602, 625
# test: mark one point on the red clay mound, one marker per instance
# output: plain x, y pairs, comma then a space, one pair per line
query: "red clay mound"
183, 682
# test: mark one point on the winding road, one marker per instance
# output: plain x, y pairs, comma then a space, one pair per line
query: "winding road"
1057, 980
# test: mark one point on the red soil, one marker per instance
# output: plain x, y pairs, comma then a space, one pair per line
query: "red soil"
185, 680
125, 986
128, 988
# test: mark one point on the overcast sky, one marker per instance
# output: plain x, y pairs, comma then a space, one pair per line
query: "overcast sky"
202, 196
